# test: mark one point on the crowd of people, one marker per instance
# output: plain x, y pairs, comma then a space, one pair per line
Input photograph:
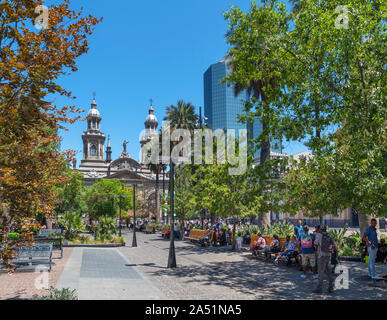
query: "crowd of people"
319, 251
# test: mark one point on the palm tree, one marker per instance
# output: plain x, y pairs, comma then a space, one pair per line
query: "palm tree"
255, 89
182, 116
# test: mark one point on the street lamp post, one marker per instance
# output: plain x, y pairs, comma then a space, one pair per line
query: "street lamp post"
172, 254
119, 222
134, 242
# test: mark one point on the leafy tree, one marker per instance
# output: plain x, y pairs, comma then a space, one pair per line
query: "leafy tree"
255, 67
101, 200
330, 82
31, 63
71, 194
185, 206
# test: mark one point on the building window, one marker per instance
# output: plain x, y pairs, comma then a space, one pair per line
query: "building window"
93, 151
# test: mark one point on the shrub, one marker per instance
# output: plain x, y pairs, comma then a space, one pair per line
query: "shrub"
346, 251
13, 236
118, 240
60, 294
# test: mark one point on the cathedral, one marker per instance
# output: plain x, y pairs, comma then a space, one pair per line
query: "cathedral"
95, 165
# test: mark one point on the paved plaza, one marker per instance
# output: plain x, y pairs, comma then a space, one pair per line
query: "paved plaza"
203, 273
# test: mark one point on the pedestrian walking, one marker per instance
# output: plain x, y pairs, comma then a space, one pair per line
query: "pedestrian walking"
324, 244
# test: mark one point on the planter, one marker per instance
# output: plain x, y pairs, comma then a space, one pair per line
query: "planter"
101, 245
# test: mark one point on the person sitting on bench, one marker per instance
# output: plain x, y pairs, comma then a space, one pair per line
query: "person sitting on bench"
274, 247
289, 250
259, 244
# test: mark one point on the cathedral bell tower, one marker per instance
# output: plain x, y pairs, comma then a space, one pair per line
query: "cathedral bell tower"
93, 139
150, 132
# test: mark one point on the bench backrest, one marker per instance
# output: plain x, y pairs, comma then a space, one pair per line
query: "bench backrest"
38, 250
254, 238
200, 234
57, 242
49, 232
268, 240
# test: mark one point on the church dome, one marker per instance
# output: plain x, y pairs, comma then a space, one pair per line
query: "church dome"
151, 120
93, 112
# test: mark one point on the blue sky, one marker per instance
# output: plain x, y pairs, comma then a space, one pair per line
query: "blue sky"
142, 50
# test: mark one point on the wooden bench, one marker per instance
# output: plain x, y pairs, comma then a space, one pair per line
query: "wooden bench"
56, 243
149, 229
200, 235
268, 240
30, 256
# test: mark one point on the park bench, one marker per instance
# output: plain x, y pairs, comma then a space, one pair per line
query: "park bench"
149, 229
30, 256
49, 232
56, 243
268, 240
200, 236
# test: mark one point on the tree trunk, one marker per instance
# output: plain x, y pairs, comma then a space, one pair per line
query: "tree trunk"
264, 219
233, 235
182, 224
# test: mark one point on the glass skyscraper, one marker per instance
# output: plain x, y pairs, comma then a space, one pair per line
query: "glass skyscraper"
222, 107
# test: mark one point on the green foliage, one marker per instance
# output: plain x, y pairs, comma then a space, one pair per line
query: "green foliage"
60, 294
71, 195
13, 236
283, 229
72, 222
185, 205
338, 236
101, 200
182, 116
346, 251
106, 229
353, 241
308, 76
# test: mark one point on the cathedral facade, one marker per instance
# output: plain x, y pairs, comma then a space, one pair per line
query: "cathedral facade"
95, 165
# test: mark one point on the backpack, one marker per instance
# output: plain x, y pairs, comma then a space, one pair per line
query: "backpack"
306, 242
327, 242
